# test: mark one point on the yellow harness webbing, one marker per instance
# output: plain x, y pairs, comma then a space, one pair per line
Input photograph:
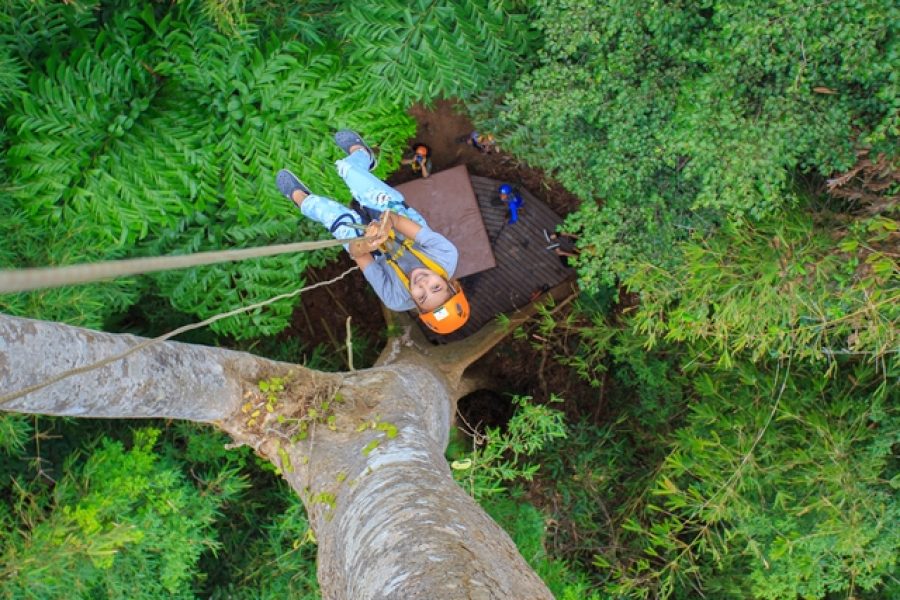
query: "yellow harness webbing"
399, 248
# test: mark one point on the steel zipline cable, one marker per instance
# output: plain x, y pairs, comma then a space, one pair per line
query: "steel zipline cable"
22, 280
31, 279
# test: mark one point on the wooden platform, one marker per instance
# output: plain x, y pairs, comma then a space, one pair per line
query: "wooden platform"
448, 203
523, 264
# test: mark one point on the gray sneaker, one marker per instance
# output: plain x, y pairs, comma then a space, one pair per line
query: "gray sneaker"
346, 138
288, 183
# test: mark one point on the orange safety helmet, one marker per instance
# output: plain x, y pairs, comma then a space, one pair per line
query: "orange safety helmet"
454, 312
449, 316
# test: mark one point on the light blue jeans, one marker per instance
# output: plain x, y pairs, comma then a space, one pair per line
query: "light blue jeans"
367, 189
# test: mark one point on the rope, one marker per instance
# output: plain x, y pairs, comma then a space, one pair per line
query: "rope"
47, 277
96, 365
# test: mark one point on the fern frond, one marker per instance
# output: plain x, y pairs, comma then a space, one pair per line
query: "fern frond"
12, 77
32, 30
419, 51
63, 129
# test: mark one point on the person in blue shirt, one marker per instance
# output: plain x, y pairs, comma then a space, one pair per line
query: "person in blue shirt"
513, 201
424, 288
484, 143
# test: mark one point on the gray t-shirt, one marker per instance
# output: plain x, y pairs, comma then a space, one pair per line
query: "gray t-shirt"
385, 281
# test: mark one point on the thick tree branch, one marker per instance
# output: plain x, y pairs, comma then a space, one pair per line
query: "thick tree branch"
164, 380
454, 358
390, 519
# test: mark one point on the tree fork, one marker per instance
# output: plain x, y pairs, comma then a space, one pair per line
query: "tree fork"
390, 520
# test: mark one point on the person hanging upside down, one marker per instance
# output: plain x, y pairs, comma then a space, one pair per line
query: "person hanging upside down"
412, 273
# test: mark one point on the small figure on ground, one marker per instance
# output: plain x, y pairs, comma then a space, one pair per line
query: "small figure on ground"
420, 161
562, 244
414, 264
483, 142
513, 200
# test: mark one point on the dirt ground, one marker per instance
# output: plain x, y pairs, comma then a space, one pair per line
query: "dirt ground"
517, 366
442, 126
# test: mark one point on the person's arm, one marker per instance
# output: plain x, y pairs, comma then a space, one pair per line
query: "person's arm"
438, 248
361, 250
363, 259
388, 287
404, 226
426, 168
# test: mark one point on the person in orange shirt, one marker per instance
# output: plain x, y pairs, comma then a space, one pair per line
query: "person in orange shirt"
421, 160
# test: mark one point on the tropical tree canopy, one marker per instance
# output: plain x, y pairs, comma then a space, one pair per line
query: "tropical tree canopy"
726, 420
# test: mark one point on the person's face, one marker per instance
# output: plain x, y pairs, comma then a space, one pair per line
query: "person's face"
428, 289
504, 197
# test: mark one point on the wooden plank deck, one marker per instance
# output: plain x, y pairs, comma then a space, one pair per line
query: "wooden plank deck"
448, 203
524, 265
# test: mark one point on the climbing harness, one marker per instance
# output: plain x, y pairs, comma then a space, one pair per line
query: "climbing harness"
449, 316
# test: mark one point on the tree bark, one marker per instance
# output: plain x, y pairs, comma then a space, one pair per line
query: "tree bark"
164, 380
390, 520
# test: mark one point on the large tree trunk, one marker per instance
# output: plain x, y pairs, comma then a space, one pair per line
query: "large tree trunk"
390, 520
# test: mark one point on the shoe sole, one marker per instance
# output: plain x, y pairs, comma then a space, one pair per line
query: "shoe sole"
346, 138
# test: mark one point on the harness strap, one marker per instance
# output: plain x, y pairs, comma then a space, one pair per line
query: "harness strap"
392, 248
343, 219
399, 271
405, 245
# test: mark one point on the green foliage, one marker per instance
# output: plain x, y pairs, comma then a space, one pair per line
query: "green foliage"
120, 516
31, 29
56, 128
89, 519
12, 76
500, 457
424, 50
162, 136
764, 476
86, 305
780, 288
264, 550
667, 118
576, 338
792, 490
15, 430
748, 403
136, 129
752, 419
525, 525
278, 563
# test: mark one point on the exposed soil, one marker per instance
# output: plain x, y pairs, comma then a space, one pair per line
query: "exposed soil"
517, 366
441, 128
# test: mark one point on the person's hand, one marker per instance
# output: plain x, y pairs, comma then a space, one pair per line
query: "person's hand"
376, 234
388, 220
